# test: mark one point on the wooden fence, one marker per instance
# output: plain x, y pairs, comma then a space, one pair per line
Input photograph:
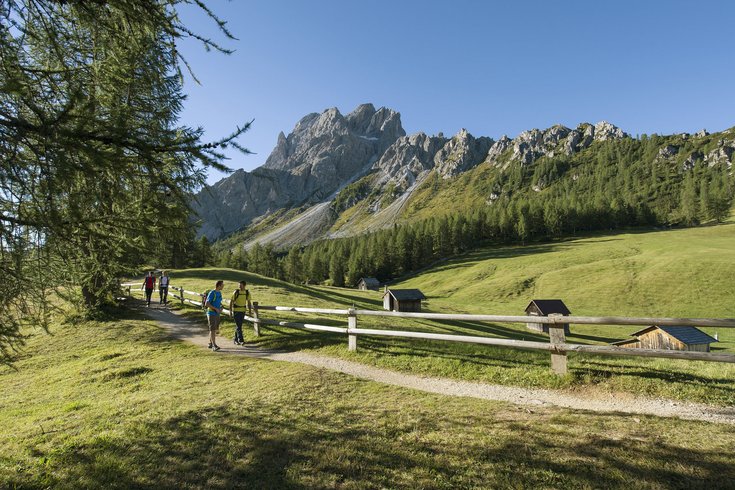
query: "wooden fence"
557, 345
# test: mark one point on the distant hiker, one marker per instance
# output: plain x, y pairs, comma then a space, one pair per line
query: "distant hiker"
214, 313
163, 288
239, 301
149, 283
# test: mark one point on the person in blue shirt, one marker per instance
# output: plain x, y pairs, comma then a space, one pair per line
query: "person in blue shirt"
214, 313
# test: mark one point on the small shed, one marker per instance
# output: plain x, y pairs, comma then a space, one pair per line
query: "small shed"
546, 307
678, 337
368, 283
403, 299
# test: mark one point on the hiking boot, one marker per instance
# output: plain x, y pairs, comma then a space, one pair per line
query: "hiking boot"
209, 346
215, 348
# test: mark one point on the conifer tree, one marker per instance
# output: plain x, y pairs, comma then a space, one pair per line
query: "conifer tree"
96, 170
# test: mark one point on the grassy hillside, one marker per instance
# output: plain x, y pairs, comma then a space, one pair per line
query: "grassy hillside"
116, 404
676, 273
679, 273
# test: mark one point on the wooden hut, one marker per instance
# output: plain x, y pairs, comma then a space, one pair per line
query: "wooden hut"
403, 299
679, 337
546, 307
368, 283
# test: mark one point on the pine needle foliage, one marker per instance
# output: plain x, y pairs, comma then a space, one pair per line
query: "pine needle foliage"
96, 171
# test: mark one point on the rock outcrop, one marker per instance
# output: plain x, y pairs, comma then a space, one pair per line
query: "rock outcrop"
531, 145
406, 159
461, 153
723, 154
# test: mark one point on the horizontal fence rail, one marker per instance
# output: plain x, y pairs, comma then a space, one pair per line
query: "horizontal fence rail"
554, 320
557, 345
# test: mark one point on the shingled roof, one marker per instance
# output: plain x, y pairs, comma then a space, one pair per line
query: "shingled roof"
370, 282
549, 306
683, 333
406, 294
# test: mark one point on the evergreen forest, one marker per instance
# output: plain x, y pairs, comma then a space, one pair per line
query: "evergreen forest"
615, 184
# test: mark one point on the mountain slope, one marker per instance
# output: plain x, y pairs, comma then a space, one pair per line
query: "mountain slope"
359, 173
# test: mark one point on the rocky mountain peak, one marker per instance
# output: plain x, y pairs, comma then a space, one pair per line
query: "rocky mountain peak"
603, 131
323, 153
461, 153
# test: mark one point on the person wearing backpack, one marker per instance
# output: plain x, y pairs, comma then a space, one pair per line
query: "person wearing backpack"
238, 303
149, 283
214, 313
163, 288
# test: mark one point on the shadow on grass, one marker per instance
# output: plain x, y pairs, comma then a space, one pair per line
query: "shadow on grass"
274, 446
602, 370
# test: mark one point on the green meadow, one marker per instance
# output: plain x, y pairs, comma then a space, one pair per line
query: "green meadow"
671, 273
116, 403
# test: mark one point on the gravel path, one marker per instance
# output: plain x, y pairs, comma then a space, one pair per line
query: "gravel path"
196, 333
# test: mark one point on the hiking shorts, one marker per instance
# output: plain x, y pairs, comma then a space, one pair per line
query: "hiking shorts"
213, 321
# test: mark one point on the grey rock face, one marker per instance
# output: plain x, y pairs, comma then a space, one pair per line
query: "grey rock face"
497, 149
667, 151
691, 160
721, 155
407, 158
571, 145
322, 153
606, 131
461, 153
530, 145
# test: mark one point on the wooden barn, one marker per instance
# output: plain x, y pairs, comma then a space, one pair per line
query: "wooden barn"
403, 299
368, 283
546, 307
680, 337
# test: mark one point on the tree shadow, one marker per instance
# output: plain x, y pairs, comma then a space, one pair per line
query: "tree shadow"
269, 445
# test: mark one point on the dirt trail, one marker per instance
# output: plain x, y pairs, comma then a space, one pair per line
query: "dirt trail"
196, 333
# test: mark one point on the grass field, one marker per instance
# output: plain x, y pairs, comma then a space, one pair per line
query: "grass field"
661, 273
117, 404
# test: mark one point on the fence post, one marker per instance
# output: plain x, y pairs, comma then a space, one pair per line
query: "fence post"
181, 295
556, 336
351, 325
129, 295
256, 323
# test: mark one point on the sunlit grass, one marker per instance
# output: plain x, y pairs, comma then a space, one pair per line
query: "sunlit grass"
118, 404
666, 273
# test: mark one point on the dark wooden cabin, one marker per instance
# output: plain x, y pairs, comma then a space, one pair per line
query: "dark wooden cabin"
368, 283
678, 337
403, 300
546, 307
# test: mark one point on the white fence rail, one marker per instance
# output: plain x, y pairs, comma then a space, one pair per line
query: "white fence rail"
557, 346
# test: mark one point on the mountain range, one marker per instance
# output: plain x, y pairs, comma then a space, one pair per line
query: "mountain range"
339, 175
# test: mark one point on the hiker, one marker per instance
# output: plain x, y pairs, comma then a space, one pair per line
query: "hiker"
149, 283
214, 313
163, 288
239, 301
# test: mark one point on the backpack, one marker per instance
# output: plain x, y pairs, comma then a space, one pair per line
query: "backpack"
236, 294
204, 298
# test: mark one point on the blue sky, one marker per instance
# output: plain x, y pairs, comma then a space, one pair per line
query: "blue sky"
493, 68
